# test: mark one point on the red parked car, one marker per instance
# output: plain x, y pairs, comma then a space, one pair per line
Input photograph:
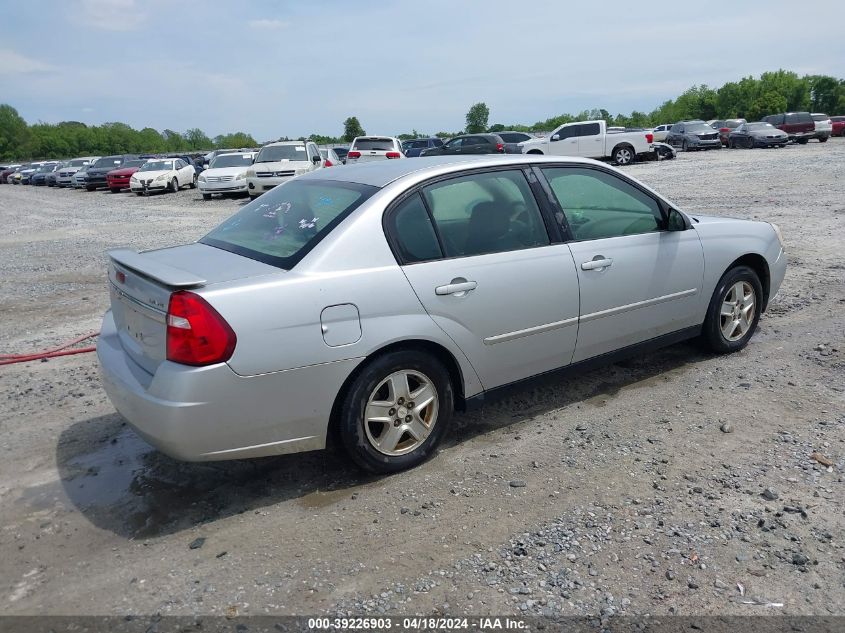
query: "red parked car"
798, 125
838, 123
118, 179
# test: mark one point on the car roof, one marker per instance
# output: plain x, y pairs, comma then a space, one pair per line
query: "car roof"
382, 173
287, 143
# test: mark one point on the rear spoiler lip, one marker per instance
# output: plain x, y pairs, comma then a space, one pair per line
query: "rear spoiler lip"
147, 267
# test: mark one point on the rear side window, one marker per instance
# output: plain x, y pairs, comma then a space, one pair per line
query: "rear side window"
383, 144
413, 233
281, 226
820, 117
799, 117
483, 213
589, 129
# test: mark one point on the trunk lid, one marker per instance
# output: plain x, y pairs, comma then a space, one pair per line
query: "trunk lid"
140, 285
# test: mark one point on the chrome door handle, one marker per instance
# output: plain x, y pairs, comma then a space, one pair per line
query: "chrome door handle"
456, 288
597, 264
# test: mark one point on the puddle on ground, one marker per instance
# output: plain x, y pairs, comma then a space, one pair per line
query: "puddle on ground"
324, 498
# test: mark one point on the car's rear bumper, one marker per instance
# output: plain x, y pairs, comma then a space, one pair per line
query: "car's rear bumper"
211, 413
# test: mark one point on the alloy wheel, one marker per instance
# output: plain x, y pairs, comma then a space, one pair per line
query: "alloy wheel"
738, 310
401, 412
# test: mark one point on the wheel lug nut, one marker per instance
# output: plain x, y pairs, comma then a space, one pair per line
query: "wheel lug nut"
396, 422
410, 405
392, 412
401, 401
408, 418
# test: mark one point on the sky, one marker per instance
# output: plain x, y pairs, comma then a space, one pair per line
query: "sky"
287, 68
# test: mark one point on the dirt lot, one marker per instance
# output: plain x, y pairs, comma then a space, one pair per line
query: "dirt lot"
615, 492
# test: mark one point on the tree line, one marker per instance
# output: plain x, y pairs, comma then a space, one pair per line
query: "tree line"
749, 98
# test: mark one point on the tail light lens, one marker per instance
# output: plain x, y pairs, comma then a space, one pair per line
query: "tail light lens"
196, 333
328, 163
500, 147
649, 138
724, 129
393, 154
353, 155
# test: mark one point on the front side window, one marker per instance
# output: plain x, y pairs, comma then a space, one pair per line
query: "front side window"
285, 223
598, 204
413, 233
486, 213
567, 132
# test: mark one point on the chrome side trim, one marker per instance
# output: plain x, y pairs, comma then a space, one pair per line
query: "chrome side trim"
510, 336
639, 304
139, 306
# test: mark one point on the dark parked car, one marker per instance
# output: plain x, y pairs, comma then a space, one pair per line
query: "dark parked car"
467, 144
838, 125
758, 134
8, 171
414, 147
799, 126
39, 178
725, 127
341, 153
96, 176
689, 135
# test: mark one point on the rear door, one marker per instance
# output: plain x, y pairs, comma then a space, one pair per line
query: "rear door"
477, 252
590, 140
637, 279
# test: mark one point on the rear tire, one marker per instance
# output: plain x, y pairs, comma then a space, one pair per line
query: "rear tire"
90, 188
535, 151
804, 141
386, 387
823, 139
734, 311
139, 193
114, 189
623, 155
206, 196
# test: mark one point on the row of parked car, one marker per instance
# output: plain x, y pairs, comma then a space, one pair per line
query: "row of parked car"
775, 130
253, 171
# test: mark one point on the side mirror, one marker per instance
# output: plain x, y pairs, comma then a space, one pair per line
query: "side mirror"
316, 159
555, 137
676, 221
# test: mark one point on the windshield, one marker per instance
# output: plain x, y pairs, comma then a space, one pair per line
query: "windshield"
157, 165
699, 128
285, 223
231, 160
108, 161
759, 126
383, 144
132, 163
274, 153
77, 162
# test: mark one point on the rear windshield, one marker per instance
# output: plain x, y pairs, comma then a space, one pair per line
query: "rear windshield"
385, 144
77, 162
281, 226
760, 126
820, 117
231, 160
698, 128
799, 117
275, 153
108, 161
837, 118
514, 137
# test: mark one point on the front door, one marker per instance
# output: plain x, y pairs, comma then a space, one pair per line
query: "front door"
564, 142
488, 274
637, 279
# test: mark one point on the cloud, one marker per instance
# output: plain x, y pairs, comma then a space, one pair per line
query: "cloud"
268, 24
12, 63
111, 15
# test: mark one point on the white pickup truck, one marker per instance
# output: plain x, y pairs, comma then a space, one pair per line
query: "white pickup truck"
591, 139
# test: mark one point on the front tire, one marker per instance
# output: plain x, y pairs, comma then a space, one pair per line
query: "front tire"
535, 151
734, 311
115, 189
206, 196
823, 139
174, 185
684, 146
396, 411
194, 182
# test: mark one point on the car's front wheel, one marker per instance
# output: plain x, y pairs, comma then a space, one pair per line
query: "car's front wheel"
734, 311
194, 182
206, 196
174, 185
396, 410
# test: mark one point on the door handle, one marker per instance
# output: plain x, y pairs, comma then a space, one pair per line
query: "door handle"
458, 288
597, 264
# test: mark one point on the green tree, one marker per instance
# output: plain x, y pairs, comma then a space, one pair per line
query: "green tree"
825, 92
496, 127
14, 132
197, 139
766, 103
476, 118
352, 128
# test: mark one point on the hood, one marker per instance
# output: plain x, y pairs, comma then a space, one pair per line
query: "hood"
147, 175
712, 219
123, 171
534, 141
769, 132
101, 170
281, 165
230, 171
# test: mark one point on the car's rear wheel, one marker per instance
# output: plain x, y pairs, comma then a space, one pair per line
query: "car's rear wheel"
803, 141
822, 139
174, 185
535, 151
734, 311
90, 188
396, 410
749, 142
623, 155
139, 193
114, 189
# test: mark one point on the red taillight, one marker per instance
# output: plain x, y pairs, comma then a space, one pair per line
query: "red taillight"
328, 163
500, 147
724, 129
196, 333
353, 155
393, 155
649, 138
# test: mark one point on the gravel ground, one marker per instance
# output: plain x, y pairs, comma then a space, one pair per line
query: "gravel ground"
677, 482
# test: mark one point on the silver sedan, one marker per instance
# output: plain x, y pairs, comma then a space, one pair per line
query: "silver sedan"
373, 301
